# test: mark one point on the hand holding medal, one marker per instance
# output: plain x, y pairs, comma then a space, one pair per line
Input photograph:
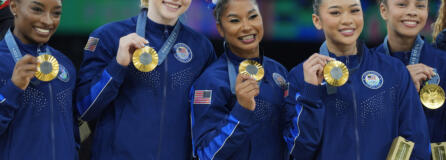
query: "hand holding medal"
145, 59
24, 71
314, 68
336, 73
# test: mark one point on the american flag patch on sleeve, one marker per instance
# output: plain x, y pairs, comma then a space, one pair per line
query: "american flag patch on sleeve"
202, 96
91, 44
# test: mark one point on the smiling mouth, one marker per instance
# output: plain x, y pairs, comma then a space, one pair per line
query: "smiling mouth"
42, 30
248, 38
410, 23
172, 5
347, 32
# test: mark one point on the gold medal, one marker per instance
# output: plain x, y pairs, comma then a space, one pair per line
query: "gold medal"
47, 68
432, 96
145, 59
335, 73
251, 68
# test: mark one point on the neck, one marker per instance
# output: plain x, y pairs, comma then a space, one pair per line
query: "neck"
399, 43
155, 17
21, 37
253, 53
342, 49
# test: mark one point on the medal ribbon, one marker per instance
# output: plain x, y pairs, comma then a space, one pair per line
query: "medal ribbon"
14, 48
415, 56
141, 31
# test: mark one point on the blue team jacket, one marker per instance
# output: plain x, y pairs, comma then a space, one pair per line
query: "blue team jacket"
36, 123
223, 129
434, 58
140, 115
440, 41
378, 103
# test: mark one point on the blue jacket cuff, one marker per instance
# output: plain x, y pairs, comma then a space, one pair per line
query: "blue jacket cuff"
10, 94
117, 71
313, 92
242, 114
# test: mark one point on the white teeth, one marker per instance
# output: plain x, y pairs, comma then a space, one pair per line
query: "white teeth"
347, 31
248, 37
42, 30
410, 22
172, 5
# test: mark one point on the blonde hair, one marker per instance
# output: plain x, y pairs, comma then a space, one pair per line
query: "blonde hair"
144, 3
439, 25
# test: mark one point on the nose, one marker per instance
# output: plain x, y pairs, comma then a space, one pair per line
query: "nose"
46, 19
246, 26
347, 19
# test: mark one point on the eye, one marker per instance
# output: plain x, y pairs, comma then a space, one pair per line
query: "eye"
57, 13
421, 6
37, 9
401, 5
355, 10
253, 16
234, 20
335, 13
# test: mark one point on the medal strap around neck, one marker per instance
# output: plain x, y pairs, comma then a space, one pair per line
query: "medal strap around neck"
416, 50
14, 48
233, 73
141, 31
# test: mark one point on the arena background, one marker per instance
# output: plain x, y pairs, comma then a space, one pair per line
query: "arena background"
289, 33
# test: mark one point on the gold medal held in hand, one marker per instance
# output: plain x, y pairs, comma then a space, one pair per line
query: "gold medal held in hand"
432, 96
47, 68
251, 68
145, 59
335, 73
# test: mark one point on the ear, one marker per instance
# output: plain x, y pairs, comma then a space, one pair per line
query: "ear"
13, 8
220, 30
384, 11
317, 21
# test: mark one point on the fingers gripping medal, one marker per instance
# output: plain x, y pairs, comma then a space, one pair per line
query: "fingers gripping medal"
252, 68
145, 59
47, 68
432, 96
335, 73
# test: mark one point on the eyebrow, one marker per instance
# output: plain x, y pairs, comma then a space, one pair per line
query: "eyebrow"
42, 5
234, 15
353, 5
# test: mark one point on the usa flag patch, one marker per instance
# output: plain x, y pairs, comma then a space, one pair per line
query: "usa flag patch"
202, 96
91, 44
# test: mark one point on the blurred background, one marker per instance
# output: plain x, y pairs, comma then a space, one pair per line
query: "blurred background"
289, 33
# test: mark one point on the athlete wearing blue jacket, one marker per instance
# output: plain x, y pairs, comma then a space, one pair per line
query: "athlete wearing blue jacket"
234, 116
377, 104
223, 129
423, 61
141, 115
361, 118
36, 117
434, 58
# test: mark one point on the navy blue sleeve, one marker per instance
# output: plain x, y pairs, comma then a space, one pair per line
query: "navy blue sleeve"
218, 127
100, 75
305, 112
412, 121
9, 104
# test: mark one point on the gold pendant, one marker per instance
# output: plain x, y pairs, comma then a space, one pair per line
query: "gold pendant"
145, 59
336, 73
252, 68
432, 96
47, 68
